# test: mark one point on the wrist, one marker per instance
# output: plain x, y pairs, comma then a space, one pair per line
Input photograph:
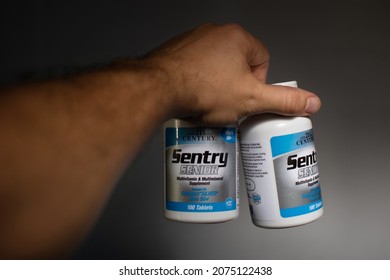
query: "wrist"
179, 97
148, 84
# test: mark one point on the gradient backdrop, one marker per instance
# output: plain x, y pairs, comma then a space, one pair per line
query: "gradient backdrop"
338, 49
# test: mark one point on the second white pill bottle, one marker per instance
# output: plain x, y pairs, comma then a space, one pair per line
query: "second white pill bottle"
281, 171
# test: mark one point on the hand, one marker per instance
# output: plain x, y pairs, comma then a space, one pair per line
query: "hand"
217, 73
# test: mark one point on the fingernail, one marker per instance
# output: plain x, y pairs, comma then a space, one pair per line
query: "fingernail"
313, 104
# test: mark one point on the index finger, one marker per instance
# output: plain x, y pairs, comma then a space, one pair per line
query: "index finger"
258, 58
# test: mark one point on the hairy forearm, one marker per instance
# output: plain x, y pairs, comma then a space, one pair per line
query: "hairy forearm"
64, 144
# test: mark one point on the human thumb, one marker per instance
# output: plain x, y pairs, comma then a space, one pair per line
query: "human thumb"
289, 101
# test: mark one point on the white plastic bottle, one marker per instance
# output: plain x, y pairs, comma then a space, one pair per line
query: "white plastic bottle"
281, 172
201, 172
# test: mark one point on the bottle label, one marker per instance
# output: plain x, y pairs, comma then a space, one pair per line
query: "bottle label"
296, 173
201, 169
281, 176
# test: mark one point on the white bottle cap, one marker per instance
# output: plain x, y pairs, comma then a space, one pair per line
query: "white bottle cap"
287, 84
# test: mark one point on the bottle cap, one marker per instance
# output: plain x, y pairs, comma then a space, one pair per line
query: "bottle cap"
287, 84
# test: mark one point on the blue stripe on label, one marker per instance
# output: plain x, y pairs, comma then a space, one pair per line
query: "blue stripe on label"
301, 210
228, 205
170, 136
197, 135
291, 142
229, 134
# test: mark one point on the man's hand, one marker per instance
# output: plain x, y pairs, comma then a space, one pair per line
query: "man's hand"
218, 72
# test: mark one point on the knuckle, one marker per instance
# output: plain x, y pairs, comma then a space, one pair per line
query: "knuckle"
235, 30
293, 102
234, 27
249, 101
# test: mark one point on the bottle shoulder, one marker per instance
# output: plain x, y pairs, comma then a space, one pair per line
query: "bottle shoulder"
269, 125
189, 123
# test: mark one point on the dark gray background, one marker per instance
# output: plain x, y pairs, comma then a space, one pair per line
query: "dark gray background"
338, 49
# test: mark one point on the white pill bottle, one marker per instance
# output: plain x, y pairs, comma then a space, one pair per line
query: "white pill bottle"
281, 171
201, 172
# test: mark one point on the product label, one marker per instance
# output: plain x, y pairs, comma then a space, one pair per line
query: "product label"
296, 173
260, 179
201, 169
282, 176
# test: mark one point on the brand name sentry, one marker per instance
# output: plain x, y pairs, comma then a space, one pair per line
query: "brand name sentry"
206, 158
199, 163
294, 162
307, 164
